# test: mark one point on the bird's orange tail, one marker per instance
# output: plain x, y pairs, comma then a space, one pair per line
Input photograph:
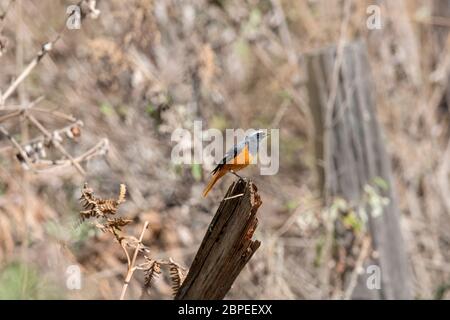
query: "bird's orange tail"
219, 174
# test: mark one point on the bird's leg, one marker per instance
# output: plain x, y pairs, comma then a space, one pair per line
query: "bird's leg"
233, 172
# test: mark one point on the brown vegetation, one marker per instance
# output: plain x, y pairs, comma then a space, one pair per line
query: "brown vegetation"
99, 104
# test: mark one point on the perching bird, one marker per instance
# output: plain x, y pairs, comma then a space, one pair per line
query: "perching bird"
237, 158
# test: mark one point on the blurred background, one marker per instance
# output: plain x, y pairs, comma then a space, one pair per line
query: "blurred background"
144, 68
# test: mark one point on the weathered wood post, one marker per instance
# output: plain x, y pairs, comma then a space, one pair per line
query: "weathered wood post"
440, 12
440, 33
350, 154
226, 247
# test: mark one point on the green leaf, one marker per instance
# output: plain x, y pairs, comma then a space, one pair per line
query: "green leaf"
242, 48
291, 205
22, 281
255, 18
285, 95
352, 221
381, 183
106, 109
319, 251
196, 171
2, 188
150, 109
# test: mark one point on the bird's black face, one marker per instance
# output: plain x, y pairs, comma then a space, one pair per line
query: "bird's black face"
260, 135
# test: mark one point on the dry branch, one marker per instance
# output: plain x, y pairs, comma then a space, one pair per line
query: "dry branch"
57, 145
132, 263
226, 247
45, 49
87, 7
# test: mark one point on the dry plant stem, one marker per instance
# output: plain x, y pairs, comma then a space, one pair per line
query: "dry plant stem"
131, 264
46, 48
365, 251
10, 115
291, 220
434, 20
16, 145
299, 100
22, 108
41, 137
56, 143
266, 60
96, 150
56, 114
5, 13
285, 34
19, 110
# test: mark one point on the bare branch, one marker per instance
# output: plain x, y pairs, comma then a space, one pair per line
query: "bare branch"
131, 266
55, 143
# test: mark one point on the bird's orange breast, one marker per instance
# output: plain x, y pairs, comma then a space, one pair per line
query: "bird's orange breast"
243, 158
240, 161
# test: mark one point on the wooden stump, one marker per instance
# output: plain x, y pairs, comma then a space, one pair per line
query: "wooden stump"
226, 247
350, 154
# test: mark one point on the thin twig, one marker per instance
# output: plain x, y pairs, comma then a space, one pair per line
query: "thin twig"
16, 145
56, 114
131, 266
233, 197
365, 250
19, 110
22, 107
126, 254
42, 137
55, 143
99, 148
46, 48
10, 115
5, 13
285, 34
434, 20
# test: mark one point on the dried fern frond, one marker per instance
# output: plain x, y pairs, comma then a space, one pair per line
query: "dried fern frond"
117, 223
122, 194
100, 208
152, 269
114, 226
176, 276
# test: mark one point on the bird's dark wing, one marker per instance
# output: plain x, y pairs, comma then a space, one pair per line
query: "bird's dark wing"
230, 155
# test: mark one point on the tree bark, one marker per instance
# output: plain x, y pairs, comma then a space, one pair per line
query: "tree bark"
226, 247
350, 155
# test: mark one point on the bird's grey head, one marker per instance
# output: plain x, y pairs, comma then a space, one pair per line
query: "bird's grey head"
254, 139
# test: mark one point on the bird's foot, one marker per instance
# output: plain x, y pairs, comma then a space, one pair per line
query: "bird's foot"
241, 178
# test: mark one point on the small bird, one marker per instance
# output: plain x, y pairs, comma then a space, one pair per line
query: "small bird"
237, 158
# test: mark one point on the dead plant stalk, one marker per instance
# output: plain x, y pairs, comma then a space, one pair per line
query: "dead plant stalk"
132, 263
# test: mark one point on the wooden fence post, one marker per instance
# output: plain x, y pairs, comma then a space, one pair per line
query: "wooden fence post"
226, 247
350, 154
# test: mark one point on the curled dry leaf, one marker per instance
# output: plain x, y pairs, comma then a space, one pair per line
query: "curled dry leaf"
101, 208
